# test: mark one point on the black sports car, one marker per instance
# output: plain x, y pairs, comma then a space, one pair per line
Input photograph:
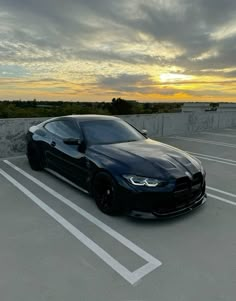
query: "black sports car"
118, 165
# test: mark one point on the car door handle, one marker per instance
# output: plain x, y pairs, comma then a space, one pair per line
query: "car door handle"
53, 143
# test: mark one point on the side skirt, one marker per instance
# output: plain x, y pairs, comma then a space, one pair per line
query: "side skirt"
65, 180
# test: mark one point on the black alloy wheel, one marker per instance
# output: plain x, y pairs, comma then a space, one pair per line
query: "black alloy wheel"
105, 194
34, 157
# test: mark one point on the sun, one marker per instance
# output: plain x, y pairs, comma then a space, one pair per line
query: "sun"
170, 77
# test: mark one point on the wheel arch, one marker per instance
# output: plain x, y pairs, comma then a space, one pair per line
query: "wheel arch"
96, 172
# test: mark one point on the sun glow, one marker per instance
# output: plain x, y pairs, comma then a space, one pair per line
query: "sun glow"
170, 77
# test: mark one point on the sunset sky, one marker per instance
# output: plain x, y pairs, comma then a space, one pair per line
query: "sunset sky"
94, 50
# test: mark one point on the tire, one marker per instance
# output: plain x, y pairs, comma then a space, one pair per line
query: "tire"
35, 157
106, 195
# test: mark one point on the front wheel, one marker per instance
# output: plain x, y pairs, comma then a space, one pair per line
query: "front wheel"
105, 193
35, 157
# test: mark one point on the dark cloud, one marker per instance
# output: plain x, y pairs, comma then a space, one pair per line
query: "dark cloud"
96, 30
125, 79
216, 12
134, 83
114, 55
230, 74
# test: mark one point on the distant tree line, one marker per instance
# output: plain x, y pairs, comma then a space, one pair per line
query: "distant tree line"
118, 106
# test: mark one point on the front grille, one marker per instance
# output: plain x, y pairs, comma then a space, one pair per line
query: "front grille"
187, 190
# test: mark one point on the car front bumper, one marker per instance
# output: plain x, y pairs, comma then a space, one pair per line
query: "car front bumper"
166, 202
171, 213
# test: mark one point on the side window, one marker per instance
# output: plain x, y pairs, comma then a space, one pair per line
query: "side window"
63, 129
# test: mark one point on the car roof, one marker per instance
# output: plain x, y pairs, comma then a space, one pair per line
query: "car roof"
79, 118
88, 117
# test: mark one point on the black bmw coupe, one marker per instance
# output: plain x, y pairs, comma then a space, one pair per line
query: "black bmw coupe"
118, 165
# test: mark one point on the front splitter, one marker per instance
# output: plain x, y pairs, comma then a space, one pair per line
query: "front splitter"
157, 215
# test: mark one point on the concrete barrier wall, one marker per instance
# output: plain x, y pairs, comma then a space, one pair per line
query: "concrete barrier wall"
153, 123
13, 131
12, 135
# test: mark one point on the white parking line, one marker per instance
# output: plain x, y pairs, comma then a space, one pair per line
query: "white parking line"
221, 199
234, 130
212, 157
113, 263
13, 157
218, 134
214, 160
204, 141
222, 191
152, 262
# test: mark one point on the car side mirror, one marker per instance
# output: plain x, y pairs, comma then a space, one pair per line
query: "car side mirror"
72, 141
144, 133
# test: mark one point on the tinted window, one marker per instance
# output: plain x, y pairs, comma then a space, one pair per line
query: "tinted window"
109, 131
63, 129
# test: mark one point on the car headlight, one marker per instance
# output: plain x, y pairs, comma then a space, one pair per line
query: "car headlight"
142, 181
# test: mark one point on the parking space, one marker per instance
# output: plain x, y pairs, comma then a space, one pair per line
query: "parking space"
56, 244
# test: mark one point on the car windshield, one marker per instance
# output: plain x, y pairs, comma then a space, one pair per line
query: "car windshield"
109, 132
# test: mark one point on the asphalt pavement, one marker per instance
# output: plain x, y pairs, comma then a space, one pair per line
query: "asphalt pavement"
56, 245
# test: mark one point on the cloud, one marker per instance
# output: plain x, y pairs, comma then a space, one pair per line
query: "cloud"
140, 83
125, 79
118, 45
69, 28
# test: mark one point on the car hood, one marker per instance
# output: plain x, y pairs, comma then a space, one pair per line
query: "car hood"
150, 158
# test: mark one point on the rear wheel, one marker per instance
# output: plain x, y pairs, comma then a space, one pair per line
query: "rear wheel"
35, 157
106, 195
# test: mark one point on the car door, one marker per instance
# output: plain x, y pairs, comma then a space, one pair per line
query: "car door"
64, 158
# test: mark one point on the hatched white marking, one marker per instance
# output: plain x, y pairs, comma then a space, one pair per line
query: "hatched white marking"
131, 277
